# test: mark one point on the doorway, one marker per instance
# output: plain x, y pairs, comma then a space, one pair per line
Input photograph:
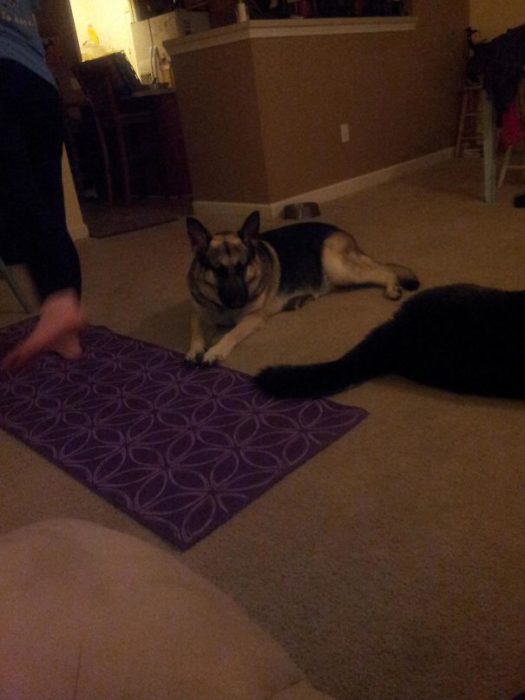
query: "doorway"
103, 28
93, 31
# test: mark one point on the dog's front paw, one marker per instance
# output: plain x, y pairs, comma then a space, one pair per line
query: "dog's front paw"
194, 356
394, 292
213, 356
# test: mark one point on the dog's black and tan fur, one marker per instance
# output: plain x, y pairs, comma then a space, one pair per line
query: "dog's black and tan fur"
240, 279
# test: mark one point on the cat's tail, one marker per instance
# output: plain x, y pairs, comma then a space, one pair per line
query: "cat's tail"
372, 357
406, 277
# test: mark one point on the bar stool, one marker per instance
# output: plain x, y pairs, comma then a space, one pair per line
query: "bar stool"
469, 132
507, 163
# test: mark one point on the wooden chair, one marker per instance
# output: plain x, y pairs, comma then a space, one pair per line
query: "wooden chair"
125, 136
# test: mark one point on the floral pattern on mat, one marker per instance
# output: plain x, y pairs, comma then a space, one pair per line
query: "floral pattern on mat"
178, 447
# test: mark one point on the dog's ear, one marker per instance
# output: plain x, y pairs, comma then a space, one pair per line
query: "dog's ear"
250, 229
198, 234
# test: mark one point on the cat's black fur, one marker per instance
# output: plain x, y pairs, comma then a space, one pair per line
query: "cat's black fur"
462, 338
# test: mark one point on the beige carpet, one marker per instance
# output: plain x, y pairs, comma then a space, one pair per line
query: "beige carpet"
104, 221
392, 565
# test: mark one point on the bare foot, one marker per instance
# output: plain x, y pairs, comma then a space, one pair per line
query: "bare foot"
61, 320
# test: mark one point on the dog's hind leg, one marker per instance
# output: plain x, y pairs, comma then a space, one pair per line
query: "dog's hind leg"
345, 265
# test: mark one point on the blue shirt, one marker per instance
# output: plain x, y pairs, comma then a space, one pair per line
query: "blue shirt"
19, 38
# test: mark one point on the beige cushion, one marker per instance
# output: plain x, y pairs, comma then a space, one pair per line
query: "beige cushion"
92, 614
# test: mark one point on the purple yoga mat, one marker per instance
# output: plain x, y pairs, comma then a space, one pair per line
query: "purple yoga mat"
180, 448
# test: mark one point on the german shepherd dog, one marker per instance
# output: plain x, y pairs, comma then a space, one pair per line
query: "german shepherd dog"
238, 280
461, 338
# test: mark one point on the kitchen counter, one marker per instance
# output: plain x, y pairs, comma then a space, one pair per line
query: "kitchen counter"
278, 28
293, 110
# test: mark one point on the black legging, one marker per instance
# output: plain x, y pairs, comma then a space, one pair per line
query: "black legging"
33, 226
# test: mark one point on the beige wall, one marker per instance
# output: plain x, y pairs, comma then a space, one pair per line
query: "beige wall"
395, 112
218, 101
493, 17
262, 117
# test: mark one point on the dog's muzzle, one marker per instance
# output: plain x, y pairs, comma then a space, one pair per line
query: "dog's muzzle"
233, 292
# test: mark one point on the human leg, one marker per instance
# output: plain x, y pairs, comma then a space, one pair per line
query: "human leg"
32, 215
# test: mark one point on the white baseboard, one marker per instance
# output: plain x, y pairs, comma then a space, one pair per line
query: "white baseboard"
203, 208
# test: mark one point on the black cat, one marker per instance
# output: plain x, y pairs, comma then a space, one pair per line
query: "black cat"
462, 338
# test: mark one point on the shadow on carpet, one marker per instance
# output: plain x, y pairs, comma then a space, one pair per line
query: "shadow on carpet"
179, 448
